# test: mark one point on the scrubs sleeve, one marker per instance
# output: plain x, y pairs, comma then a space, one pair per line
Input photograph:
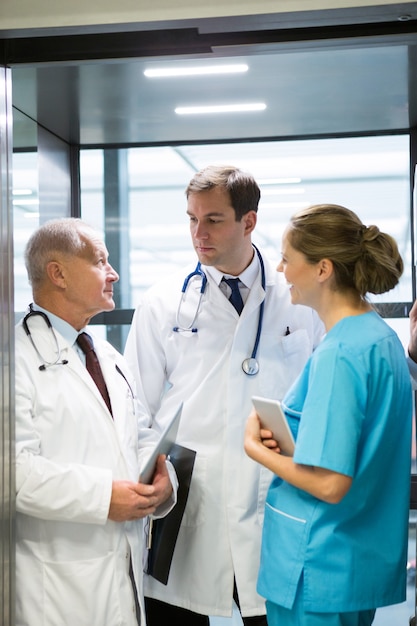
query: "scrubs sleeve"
333, 412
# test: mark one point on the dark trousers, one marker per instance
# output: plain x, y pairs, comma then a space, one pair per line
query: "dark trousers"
162, 614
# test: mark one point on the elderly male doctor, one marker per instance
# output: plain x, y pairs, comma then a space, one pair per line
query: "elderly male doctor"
79, 503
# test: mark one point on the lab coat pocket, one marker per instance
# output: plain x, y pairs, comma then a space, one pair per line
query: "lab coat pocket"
284, 544
194, 510
296, 349
285, 358
66, 600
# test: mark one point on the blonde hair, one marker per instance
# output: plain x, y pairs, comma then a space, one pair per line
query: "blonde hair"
363, 257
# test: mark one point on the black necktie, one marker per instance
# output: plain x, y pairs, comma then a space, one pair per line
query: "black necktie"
235, 298
93, 366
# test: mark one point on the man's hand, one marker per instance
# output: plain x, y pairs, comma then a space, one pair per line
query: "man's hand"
161, 481
130, 501
412, 346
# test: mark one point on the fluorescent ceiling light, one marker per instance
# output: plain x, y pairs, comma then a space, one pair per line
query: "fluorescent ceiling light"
195, 71
284, 205
291, 191
22, 192
278, 181
221, 108
24, 202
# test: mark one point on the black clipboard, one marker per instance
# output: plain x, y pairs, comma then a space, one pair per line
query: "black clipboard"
165, 530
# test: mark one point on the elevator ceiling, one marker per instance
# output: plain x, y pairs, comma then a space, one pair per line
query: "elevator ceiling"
343, 77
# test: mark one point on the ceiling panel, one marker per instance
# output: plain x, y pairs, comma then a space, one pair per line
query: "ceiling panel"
307, 93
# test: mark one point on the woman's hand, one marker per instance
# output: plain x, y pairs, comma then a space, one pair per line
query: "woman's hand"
258, 439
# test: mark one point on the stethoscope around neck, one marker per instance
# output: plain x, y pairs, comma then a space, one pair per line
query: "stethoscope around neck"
45, 364
58, 360
250, 365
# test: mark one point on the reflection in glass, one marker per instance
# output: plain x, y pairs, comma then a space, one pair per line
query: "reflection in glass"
369, 175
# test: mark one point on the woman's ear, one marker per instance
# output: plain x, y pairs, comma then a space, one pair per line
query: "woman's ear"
325, 270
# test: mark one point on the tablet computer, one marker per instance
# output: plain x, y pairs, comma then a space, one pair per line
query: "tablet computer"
164, 445
272, 418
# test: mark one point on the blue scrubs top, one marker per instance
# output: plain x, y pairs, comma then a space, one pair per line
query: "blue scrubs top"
351, 412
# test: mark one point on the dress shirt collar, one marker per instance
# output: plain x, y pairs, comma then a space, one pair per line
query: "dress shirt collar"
67, 331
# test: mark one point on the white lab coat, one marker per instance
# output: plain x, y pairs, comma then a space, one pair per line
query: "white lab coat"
72, 562
220, 535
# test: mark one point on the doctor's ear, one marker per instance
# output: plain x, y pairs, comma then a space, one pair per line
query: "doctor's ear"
249, 220
55, 272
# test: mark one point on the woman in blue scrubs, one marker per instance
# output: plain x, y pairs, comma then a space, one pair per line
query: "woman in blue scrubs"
336, 518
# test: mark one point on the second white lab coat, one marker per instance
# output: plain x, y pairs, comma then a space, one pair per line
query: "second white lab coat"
220, 535
72, 562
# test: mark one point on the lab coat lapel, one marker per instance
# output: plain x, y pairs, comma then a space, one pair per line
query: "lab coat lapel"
257, 294
116, 385
78, 368
255, 297
45, 344
107, 358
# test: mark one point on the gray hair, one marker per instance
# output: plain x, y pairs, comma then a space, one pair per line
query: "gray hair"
69, 236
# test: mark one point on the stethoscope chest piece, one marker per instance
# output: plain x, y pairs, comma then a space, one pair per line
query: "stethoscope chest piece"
250, 366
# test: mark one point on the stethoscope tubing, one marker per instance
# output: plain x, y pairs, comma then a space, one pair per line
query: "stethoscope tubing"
250, 365
58, 361
198, 272
261, 309
45, 364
